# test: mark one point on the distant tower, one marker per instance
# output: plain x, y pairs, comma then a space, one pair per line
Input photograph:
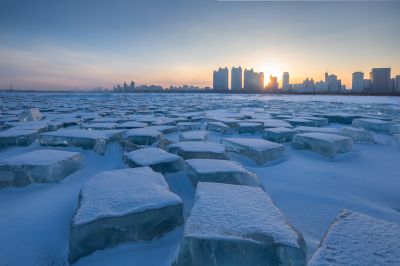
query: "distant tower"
11, 86
380, 79
357, 84
285, 81
220, 79
236, 79
253, 81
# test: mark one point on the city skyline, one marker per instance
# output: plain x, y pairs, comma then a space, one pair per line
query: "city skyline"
72, 45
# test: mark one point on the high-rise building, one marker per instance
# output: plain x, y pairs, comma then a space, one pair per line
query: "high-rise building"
273, 83
253, 81
236, 79
357, 84
397, 81
220, 79
334, 84
285, 81
380, 80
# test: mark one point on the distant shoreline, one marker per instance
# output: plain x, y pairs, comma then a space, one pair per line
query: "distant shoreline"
203, 92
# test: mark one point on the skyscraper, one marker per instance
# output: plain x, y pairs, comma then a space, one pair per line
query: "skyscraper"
273, 83
253, 81
397, 81
334, 84
220, 79
236, 79
285, 81
380, 79
357, 84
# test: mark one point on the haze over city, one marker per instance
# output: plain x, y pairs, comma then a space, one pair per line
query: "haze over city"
66, 45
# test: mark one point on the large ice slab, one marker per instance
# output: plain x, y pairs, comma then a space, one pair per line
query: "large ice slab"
373, 124
304, 129
156, 158
142, 136
87, 139
358, 239
120, 206
323, 143
220, 171
259, 150
198, 150
217, 126
341, 118
358, 134
249, 127
238, 225
40, 166
32, 114
279, 134
17, 137
198, 135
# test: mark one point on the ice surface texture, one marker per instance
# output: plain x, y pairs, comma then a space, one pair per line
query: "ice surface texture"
238, 225
220, 171
373, 124
143, 136
120, 206
32, 114
358, 239
198, 150
156, 158
40, 166
279, 134
197, 135
325, 144
17, 137
259, 150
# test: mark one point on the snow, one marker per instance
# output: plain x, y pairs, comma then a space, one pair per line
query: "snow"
121, 206
259, 150
38, 166
156, 158
198, 150
220, 171
132, 124
143, 136
240, 221
323, 143
358, 239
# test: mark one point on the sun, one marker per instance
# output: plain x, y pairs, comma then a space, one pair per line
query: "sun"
270, 69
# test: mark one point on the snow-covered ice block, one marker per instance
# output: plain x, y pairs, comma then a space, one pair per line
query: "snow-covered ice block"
238, 226
373, 124
100, 126
318, 121
40, 166
323, 143
270, 123
394, 129
120, 206
249, 127
259, 150
143, 136
341, 118
198, 135
86, 139
132, 124
304, 129
17, 137
217, 126
156, 158
32, 114
279, 134
358, 134
165, 129
298, 121
358, 239
189, 126
198, 150
220, 171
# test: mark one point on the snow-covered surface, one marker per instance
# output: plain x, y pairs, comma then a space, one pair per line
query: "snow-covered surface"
359, 239
122, 192
198, 135
197, 150
224, 212
308, 188
39, 157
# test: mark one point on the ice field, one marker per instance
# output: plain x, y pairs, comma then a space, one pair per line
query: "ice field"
199, 179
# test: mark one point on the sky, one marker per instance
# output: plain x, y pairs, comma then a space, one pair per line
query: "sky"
69, 44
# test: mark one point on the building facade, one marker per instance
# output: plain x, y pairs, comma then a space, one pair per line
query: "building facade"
236, 79
253, 81
220, 79
357, 84
380, 80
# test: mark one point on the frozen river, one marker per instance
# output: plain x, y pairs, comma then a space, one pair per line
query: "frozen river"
318, 155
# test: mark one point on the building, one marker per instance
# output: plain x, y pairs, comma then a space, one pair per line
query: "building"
334, 84
285, 81
397, 82
357, 84
321, 87
380, 80
253, 81
220, 79
236, 79
273, 83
